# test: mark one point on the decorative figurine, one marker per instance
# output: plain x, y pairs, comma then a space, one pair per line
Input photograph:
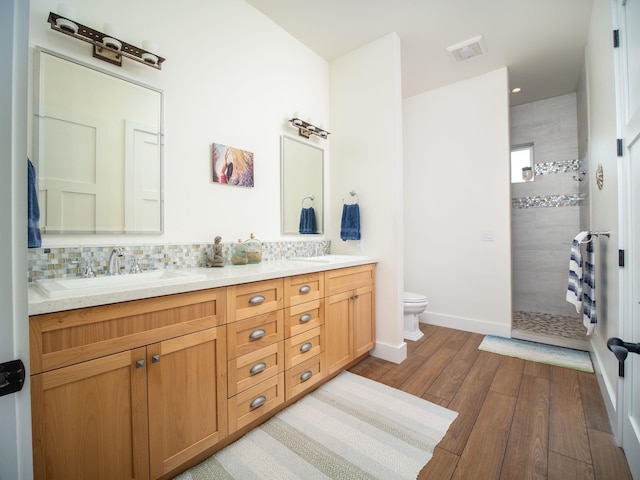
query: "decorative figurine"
217, 260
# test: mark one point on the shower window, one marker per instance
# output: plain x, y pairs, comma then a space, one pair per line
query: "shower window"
522, 163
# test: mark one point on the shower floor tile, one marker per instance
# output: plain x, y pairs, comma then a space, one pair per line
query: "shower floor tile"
549, 328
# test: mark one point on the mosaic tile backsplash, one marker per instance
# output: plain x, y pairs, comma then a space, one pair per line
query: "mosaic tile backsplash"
59, 262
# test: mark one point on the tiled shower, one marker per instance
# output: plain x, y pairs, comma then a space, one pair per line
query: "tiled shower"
545, 217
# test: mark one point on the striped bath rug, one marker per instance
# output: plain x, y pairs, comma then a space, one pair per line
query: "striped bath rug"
349, 428
537, 352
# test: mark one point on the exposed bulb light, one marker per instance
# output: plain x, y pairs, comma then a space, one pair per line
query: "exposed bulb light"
516, 90
107, 45
306, 129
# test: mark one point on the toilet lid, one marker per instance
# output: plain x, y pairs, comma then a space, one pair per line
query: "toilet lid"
410, 297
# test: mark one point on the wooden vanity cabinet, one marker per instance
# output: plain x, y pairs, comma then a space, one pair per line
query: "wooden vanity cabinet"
135, 390
130, 390
350, 315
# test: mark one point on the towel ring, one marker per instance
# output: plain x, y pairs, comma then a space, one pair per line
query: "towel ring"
308, 197
353, 194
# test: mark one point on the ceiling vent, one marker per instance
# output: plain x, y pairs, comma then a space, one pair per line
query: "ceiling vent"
474, 47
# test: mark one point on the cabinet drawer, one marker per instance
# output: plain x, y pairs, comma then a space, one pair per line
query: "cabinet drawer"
251, 299
303, 317
251, 369
301, 347
303, 288
251, 404
73, 336
305, 375
249, 335
345, 279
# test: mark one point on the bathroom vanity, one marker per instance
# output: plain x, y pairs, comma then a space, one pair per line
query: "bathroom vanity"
146, 381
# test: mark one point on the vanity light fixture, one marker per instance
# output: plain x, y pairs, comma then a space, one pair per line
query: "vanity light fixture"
306, 129
105, 46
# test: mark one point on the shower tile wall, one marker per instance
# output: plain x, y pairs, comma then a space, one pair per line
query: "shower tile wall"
545, 213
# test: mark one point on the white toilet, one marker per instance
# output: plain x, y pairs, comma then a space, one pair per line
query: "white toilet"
414, 305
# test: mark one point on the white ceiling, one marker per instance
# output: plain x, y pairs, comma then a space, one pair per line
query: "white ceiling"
541, 41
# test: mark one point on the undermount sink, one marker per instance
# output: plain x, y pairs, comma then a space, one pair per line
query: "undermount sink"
329, 258
65, 287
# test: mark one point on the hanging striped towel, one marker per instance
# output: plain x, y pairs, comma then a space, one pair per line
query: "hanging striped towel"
590, 316
574, 289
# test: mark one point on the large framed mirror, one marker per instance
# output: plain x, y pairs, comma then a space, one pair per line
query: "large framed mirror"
98, 149
302, 187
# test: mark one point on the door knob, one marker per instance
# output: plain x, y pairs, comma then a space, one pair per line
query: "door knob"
621, 349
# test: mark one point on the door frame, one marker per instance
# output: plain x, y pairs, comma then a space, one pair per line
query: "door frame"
15, 409
627, 436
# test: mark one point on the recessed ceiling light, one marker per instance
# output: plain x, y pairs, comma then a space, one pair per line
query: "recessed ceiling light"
516, 90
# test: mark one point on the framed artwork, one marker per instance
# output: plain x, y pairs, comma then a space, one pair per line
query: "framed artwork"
232, 166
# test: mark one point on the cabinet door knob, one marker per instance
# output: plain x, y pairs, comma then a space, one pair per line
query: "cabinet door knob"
257, 368
139, 363
257, 402
355, 297
306, 347
155, 358
256, 300
304, 289
256, 334
305, 318
306, 376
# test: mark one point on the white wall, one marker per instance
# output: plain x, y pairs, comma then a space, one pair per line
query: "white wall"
366, 152
231, 76
604, 203
457, 186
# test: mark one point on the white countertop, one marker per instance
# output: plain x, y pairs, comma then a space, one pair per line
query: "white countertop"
39, 303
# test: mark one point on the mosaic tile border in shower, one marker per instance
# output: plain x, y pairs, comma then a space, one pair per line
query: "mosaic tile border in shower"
562, 166
59, 262
547, 201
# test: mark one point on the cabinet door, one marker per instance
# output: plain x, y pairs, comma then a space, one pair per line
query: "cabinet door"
90, 419
338, 332
364, 320
187, 397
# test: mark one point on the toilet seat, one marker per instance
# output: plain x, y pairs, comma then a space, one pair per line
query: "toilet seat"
410, 297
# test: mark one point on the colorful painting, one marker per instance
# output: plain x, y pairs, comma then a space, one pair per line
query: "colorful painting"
232, 166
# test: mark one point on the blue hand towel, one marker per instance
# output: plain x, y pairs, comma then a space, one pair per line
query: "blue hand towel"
308, 220
350, 228
33, 213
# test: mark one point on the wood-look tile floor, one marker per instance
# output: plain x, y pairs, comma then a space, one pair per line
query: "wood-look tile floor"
516, 419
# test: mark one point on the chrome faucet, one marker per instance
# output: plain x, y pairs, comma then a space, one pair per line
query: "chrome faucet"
114, 261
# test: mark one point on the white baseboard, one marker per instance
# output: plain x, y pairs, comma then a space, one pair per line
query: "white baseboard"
609, 396
391, 353
467, 324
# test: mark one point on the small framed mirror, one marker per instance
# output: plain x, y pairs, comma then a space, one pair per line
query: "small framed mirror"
97, 149
302, 187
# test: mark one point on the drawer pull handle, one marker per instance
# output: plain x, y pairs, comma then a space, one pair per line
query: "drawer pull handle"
305, 318
155, 359
306, 347
139, 363
256, 334
304, 289
257, 402
257, 368
256, 300
306, 376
